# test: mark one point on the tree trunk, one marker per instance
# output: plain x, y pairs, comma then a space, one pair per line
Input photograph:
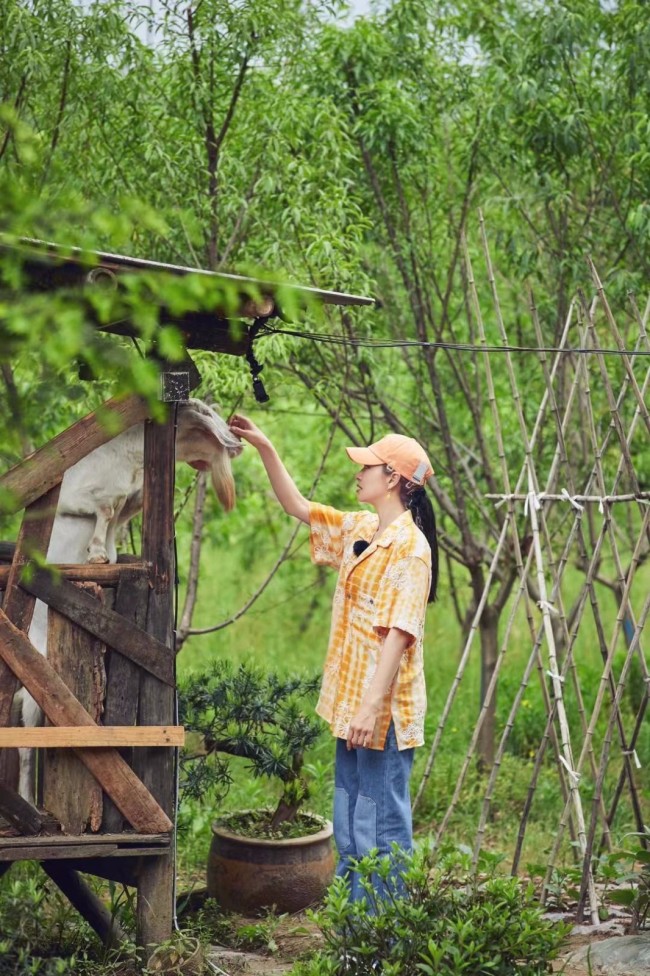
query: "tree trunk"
488, 630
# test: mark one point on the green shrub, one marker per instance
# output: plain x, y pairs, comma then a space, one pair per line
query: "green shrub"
450, 923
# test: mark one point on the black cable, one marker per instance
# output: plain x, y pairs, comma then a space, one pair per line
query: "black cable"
342, 340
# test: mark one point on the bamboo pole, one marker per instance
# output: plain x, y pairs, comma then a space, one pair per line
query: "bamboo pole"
482, 602
522, 591
559, 454
574, 793
535, 656
591, 570
601, 689
607, 744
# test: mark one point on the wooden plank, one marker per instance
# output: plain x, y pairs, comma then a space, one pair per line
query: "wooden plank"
123, 636
70, 792
62, 708
42, 852
155, 904
106, 574
33, 538
43, 469
19, 812
86, 902
121, 870
125, 841
123, 680
85, 737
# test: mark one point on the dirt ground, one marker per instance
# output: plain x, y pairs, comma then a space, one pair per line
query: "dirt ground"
296, 936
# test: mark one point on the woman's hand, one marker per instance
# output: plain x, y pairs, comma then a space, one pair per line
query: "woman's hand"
362, 727
248, 431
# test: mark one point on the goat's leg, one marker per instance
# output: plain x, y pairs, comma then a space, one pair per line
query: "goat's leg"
32, 716
106, 514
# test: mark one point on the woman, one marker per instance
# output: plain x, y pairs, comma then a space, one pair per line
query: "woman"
373, 693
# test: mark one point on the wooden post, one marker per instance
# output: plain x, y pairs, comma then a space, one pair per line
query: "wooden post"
156, 767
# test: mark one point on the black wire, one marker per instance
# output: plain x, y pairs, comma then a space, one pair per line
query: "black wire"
342, 340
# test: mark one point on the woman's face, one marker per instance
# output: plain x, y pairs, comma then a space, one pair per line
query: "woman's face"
372, 483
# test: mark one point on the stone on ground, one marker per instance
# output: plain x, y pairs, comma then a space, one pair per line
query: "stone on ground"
627, 955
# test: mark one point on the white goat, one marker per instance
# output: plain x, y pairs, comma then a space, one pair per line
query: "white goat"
100, 493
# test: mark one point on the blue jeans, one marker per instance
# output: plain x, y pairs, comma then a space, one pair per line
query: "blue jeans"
372, 806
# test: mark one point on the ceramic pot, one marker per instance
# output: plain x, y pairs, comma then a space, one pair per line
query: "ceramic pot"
247, 874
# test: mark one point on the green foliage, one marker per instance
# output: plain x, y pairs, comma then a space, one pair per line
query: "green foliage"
451, 922
256, 716
43, 935
631, 866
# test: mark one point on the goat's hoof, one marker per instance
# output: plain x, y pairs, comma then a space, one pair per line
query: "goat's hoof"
98, 557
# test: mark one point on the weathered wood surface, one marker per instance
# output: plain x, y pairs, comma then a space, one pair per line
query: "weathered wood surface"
86, 902
33, 538
62, 708
123, 685
18, 812
106, 574
86, 737
75, 888
122, 635
70, 791
44, 468
121, 870
126, 841
157, 701
38, 852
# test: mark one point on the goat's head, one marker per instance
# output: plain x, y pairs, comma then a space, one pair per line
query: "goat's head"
205, 441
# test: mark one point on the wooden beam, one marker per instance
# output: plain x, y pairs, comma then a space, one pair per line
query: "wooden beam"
62, 708
105, 574
42, 852
86, 737
21, 814
86, 902
121, 870
43, 469
120, 634
33, 539
127, 842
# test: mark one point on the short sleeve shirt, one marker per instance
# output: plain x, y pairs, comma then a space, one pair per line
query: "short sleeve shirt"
386, 586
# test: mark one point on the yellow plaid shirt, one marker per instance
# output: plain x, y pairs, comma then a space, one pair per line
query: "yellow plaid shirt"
386, 586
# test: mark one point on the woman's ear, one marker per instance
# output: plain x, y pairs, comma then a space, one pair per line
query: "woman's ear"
394, 480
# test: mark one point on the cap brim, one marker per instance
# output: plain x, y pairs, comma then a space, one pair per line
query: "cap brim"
363, 455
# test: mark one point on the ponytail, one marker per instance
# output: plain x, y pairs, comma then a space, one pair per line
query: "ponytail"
425, 518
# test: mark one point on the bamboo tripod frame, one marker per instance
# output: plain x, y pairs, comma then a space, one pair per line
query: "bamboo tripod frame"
541, 576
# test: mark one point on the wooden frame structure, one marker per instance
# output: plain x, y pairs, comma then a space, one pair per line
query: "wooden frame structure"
107, 688
548, 519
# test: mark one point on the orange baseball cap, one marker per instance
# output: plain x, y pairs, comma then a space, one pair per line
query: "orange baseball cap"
403, 454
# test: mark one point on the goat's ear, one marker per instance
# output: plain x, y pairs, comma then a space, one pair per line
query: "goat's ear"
222, 480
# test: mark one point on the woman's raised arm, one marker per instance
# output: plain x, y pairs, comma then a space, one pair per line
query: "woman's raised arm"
281, 481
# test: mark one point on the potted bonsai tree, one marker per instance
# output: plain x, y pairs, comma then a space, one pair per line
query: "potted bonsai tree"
279, 856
